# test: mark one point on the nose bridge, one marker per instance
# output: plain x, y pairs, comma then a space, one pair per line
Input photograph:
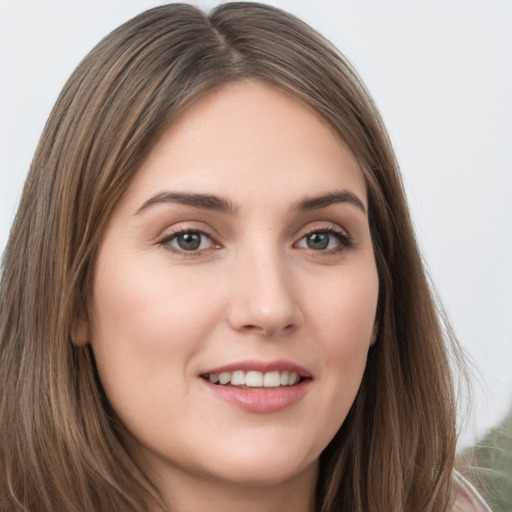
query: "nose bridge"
263, 297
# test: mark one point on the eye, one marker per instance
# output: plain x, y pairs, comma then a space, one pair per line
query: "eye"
327, 240
188, 241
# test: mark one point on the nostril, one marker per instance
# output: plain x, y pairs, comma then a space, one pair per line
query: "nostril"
250, 327
254, 316
268, 330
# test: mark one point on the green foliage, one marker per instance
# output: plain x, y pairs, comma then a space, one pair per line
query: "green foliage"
489, 466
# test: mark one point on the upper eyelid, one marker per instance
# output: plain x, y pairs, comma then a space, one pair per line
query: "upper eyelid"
165, 240
344, 237
327, 227
342, 234
185, 227
206, 230
321, 226
170, 236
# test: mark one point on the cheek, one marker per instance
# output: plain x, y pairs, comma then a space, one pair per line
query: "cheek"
145, 308
343, 314
145, 329
344, 309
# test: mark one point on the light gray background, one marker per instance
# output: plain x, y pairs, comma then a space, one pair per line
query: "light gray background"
441, 73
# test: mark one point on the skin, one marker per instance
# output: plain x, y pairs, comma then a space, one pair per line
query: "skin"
255, 289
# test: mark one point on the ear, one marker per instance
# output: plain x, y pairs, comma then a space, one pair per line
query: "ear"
375, 332
80, 332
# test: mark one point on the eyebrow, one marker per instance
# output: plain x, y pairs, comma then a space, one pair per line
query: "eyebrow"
219, 204
201, 201
325, 200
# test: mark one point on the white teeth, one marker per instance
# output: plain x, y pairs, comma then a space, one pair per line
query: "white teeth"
224, 377
238, 379
254, 379
271, 380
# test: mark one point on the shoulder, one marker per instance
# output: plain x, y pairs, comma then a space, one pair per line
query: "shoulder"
466, 497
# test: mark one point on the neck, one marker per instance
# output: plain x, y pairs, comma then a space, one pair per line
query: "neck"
190, 493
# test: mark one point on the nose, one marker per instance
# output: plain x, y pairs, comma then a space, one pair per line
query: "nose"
263, 299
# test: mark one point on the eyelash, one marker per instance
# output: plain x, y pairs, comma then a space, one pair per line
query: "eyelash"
169, 237
345, 241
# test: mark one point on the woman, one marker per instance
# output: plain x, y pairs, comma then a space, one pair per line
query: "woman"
212, 297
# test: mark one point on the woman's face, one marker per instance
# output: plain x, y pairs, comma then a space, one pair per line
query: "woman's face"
235, 291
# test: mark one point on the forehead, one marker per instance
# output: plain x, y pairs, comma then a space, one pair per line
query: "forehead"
248, 136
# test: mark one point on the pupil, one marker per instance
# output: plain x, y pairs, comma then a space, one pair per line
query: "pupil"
189, 241
318, 241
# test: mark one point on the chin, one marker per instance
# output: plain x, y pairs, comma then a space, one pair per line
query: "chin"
263, 467
272, 473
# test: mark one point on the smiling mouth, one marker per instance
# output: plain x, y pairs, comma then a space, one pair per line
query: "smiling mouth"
254, 379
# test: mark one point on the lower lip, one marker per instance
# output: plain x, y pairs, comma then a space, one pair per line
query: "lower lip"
260, 399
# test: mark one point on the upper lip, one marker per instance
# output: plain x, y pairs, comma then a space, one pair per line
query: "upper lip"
261, 366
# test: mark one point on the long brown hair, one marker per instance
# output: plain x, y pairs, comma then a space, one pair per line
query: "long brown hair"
60, 446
